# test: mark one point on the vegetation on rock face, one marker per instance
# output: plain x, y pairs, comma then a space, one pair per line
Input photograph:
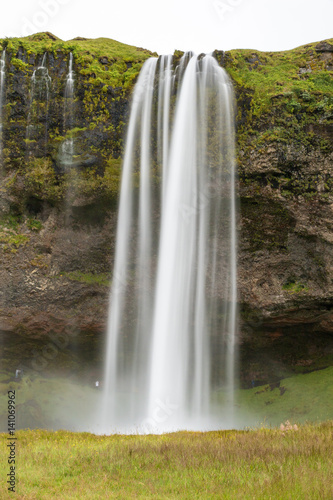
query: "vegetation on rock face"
295, 287
34, 129
285, 101
89, 278
10, 236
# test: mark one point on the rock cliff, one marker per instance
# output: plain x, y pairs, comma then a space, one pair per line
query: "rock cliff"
58, 220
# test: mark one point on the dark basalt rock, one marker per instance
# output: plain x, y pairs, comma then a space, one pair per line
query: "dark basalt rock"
103, 60
324, 47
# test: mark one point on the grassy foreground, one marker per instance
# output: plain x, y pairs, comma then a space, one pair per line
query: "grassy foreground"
258, 464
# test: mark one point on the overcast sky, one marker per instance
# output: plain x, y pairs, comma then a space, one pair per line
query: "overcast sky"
198, 25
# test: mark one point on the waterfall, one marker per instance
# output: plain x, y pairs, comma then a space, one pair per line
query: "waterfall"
39, 107
166, 82
172, 315
67, 151
2, 100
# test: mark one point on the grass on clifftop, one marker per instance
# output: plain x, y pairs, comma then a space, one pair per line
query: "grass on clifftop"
262, 464
102, 60
302, 75
283, 97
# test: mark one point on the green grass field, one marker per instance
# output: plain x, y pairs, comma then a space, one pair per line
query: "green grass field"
300, 398
259, 464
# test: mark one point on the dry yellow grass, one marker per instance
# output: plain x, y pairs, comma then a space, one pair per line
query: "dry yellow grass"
260, 464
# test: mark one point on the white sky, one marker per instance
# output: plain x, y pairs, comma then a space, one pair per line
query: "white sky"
198, 25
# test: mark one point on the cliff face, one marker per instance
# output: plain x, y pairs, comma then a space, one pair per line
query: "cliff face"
285, 158
58, 222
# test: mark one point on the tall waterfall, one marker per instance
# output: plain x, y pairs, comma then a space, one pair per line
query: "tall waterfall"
2, 99
39, 107
172, 315
68, 145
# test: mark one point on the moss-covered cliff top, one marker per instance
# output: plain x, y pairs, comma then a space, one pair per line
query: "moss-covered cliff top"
301, 75
103, 60
284, 98
281, 95
305, 70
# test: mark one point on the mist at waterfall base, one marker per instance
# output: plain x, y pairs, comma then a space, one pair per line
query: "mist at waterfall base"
172, 317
